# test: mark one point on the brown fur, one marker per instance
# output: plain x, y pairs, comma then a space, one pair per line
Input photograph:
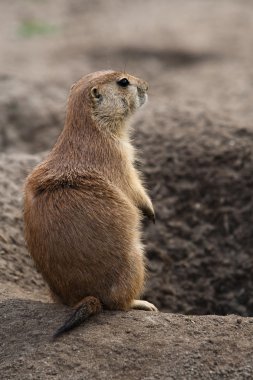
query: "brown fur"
82, 204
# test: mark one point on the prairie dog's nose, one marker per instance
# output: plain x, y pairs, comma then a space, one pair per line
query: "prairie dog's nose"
142, 86
145, 86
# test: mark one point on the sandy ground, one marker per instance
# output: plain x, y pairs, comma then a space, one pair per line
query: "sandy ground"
195, 138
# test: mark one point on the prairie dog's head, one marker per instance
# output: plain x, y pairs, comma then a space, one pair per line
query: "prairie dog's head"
112, 97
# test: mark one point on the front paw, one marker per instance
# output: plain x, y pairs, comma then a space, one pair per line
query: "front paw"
149, 212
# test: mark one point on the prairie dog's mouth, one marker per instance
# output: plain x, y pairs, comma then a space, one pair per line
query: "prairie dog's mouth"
143, 98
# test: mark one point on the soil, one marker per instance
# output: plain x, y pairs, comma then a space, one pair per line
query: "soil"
116, 345
195, 141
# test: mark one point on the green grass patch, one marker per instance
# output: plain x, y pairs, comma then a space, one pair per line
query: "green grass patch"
35, 28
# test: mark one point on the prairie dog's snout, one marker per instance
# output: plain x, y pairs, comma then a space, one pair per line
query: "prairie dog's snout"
143, 96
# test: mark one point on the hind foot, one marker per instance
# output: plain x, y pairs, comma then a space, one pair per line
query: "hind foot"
143, 305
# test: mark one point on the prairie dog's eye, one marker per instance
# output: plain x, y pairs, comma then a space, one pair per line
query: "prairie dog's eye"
124, 82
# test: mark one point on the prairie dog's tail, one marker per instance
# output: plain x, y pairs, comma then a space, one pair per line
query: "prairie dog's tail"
84, 309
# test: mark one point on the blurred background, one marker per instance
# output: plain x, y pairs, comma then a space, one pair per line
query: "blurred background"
195, 135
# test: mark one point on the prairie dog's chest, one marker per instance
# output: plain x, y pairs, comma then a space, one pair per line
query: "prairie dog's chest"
128, 150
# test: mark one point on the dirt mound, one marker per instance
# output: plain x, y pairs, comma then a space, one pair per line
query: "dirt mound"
200, 173
118, 345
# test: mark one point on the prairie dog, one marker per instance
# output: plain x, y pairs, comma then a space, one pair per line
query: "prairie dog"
83, 203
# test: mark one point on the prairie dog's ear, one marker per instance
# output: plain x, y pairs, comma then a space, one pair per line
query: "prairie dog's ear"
95, 93
73, 85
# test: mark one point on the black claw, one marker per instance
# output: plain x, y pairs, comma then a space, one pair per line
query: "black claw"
149, 214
